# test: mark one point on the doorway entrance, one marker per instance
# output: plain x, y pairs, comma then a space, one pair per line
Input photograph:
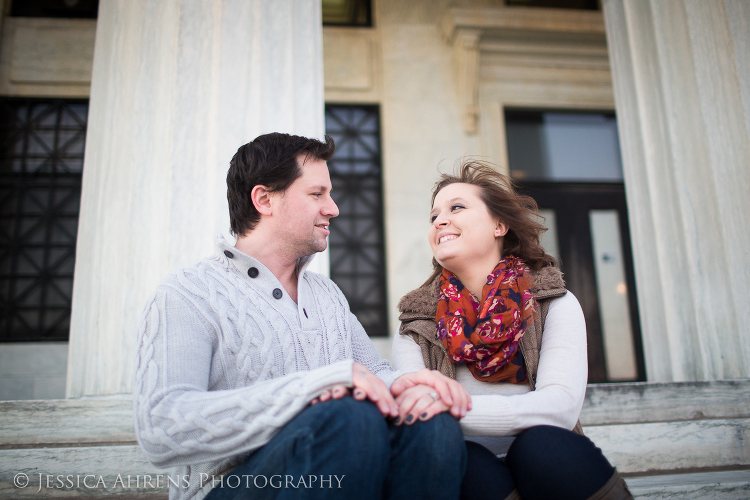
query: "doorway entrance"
569, 162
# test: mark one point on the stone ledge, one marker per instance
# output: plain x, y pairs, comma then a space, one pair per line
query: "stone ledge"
110, 461
118, 471
106, 419
659, 446
641, 427
724, 485
524, 20
110, 418
664, 402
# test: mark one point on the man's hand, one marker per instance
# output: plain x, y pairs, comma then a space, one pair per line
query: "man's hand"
336, 392
366, 386
451, 392
420, 402
369, 386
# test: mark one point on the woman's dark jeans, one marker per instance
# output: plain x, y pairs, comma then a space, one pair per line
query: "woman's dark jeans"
351, 441
543, 463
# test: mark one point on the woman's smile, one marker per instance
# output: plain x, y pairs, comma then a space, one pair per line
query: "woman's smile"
447, 237
462, 232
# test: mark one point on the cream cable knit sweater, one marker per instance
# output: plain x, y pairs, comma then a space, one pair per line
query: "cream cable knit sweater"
226, 359
502, 410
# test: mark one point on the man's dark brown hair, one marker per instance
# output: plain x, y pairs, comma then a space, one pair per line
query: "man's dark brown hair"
269, 160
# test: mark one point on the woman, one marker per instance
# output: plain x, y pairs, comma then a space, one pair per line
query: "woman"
495, 315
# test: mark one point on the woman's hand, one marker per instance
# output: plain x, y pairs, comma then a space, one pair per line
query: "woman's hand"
420, 402
366, 386
451, 392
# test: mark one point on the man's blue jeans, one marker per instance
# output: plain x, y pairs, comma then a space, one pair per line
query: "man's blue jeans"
346, 449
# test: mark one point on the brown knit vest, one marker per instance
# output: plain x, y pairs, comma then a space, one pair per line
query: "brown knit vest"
419, 306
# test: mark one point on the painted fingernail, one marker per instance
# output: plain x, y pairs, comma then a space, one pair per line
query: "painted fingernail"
409, 418
423, 415
397, 421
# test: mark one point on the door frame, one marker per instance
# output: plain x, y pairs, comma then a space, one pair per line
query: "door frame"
572, 202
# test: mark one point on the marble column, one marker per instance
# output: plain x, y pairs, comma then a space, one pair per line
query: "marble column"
177, 87
681, 76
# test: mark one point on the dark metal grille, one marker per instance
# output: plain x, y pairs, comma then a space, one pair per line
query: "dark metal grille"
556, 4
86, 9
347, 13
41, 163
357, 240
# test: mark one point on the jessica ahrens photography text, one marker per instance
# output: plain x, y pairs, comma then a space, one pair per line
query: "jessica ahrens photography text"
158, 481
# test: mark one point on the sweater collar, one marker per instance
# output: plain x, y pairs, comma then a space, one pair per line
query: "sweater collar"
254, 270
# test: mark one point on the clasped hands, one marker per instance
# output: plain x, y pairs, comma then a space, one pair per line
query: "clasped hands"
413, 396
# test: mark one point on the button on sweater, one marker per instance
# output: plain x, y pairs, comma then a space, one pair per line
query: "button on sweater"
223, 362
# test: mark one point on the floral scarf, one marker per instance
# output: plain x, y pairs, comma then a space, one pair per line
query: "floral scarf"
486, 335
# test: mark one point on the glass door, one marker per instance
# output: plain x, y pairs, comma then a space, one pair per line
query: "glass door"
569, 162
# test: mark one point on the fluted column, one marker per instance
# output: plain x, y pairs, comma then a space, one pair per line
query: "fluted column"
681, 76
177, 87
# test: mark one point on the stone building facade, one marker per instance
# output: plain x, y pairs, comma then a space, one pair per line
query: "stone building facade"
627, 120
173, 88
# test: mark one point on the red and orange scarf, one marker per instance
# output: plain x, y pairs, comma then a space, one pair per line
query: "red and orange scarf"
486, 335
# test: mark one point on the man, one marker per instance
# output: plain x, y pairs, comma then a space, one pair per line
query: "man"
233, 350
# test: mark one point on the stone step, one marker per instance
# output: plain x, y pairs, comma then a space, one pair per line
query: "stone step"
109, 419
719, 485
674, 445
664, 402
632, 448
86, 470
105, 419
642, 428
123, 473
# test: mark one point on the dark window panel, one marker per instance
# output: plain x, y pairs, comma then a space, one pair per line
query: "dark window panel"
41, 164
347, 12
357, 242
562, 146
556, 4
80, 9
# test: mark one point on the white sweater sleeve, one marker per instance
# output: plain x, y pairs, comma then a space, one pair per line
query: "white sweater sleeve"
561, 379
560, 386
178, 420
406, 354
365, 353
